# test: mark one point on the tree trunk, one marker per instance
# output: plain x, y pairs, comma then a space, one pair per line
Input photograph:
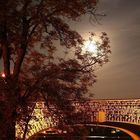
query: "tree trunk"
25, 130
7, 119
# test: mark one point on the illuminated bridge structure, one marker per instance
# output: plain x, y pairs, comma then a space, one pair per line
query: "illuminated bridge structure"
126, 110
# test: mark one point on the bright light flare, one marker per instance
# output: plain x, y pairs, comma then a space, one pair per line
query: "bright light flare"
91, 47
3, 75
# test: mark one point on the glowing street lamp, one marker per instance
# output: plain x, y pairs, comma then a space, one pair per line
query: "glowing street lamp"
3, 75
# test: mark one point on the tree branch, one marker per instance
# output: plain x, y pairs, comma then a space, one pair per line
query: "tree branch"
21, 51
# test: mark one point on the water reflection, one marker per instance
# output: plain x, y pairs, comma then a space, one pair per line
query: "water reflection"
92, 133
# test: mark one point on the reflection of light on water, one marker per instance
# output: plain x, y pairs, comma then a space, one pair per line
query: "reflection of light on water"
105, 132
92, 129
102, 137
113, 131
117, 130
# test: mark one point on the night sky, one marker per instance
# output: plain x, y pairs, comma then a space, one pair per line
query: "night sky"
120, 78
